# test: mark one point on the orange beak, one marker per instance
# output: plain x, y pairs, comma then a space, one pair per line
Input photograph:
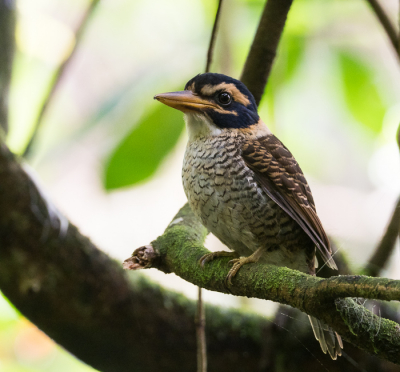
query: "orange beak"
185, 101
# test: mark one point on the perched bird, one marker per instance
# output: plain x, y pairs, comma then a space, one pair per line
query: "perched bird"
246, 186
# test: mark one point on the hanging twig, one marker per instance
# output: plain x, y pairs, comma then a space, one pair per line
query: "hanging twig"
386, 24
200, 315
58, 74
213, 37
263, 50
201, 335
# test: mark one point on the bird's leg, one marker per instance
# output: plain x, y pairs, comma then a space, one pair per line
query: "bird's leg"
239, 262
210, 256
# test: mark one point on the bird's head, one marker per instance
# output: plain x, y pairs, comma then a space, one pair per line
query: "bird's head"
213, 102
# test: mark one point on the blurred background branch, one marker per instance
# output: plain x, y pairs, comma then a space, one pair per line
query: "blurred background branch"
263, 49
59, 74
7, 25
387, 24
108, 320
386, 246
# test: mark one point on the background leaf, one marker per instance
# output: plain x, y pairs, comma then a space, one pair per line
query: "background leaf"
141, 152
360, 91
288, 61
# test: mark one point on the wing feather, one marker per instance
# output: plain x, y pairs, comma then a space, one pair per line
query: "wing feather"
281, 177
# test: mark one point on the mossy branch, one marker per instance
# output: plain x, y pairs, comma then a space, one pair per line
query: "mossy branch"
113, 322
84, 301
179, 249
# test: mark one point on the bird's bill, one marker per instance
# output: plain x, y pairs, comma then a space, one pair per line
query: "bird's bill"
185, 101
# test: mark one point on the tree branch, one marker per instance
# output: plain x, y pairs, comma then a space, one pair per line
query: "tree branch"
179, 249
7, 24
263, 50
112, 324
82, 299
386, 24
210, 51
385, 247
58, 75
85, 301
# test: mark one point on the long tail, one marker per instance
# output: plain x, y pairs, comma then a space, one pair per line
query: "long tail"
328, 339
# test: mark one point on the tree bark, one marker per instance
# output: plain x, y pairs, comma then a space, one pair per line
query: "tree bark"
85, 301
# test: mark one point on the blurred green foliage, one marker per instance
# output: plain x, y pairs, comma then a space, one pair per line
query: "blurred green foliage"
291, 53
171, 44
361, 92
139, 154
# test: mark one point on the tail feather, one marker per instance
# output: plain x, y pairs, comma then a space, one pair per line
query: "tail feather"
329, 340
338, 344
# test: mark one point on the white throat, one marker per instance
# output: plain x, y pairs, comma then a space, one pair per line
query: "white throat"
200, 126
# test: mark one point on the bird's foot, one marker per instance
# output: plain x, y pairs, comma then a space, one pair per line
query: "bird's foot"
239, 262
210, 256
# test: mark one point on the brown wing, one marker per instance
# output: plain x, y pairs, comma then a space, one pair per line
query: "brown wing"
279, 174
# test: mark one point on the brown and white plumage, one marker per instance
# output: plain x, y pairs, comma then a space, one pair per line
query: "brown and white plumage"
282, 179
246, 186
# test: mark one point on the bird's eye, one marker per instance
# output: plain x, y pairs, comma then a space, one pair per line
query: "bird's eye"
224, 98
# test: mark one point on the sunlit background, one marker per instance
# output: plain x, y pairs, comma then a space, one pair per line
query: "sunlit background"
333, 99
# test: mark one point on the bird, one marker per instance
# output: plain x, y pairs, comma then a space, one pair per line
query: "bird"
246, 187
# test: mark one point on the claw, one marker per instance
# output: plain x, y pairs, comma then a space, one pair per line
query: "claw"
206, 258
234, 261
237, 263
210, 256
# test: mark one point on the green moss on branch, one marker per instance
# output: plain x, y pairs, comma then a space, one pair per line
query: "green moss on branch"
181, 246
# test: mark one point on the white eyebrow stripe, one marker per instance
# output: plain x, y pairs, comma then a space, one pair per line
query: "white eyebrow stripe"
238, 96
191, 87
